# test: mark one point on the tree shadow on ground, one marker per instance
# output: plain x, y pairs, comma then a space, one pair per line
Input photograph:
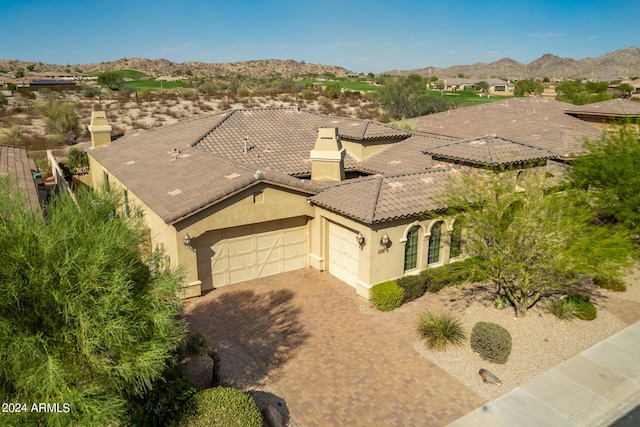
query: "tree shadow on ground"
254, 333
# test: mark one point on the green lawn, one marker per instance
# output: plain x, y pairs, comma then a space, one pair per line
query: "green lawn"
467, 98
153, 84
351, 85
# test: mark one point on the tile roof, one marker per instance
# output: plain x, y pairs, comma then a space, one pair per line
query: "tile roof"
489, 150
381, 198
176, 180
611, 108
404, 156
14, 161
281, 139
537, 122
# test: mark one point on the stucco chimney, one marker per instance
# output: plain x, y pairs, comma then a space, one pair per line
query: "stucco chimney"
327, 157
100, 129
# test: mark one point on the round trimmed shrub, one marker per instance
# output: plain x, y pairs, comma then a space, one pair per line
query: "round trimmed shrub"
386, 296
491, 341
610, 283
222, 406
440, 330
414, 286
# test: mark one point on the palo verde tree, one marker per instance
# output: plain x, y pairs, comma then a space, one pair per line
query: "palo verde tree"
531, 239
610, 171
482, 86
61, 119
86, 319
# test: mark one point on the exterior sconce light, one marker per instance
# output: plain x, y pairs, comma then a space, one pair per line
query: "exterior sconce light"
384, 241
360, 239
188, 242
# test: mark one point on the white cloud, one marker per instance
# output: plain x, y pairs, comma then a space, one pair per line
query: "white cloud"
451, 52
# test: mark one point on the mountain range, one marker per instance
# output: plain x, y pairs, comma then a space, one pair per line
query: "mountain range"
620, 64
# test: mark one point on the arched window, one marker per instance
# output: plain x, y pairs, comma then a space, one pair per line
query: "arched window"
434, 243
455, 250
411, 249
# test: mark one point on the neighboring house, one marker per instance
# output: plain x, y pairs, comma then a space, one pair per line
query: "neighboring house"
455, 83
248, 193
24, 173
604, 113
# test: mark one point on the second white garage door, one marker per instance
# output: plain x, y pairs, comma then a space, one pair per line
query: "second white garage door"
344, 254
237, 254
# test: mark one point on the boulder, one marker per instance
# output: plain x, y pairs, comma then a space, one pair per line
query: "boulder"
273, 416
488, 377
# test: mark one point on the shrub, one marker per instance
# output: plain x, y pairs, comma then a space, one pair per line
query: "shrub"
77, 159
222, 406
502, 301
386, 296
440, 330
469, 270
491, 341
583, 308
562, 309
610, 283
414, 287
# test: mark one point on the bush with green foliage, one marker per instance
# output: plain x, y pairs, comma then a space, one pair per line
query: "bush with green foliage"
491, 341
166, 402
77, 159
61, 119
386, 296
222, 406
610, 283
414, 287
455, 273
562, 309
440, 329
583, 307
91, 91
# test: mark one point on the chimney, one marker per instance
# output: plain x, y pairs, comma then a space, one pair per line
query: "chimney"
100, 129
327, 157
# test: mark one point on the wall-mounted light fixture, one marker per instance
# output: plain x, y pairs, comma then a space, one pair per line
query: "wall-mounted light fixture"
188, 242
384, 241
360, 239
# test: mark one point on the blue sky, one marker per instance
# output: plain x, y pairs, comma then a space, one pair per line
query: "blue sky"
361, 36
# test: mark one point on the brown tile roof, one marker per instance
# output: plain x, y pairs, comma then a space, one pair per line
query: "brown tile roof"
176, 180
537, 122
404, 156
15, 162
381, 198
489, 150
281, 139
620, 108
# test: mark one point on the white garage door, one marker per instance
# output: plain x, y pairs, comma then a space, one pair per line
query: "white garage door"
237, 254
344, 254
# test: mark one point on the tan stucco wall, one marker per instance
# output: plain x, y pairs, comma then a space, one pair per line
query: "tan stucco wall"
378, 263
360, 150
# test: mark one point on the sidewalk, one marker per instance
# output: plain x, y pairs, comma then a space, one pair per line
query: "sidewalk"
594, 388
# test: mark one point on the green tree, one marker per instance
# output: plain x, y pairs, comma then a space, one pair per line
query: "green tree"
531, 239
406, 98
482, 86
19, 74
611, 170
332, 90
528, 86
86, 319
61, 119
110, 79
625, 89
3, 100
31, 67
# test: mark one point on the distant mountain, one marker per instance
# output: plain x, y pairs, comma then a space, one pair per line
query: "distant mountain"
623, 63
162, 67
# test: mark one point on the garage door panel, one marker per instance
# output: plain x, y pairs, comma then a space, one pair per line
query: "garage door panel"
344, 254
259, 250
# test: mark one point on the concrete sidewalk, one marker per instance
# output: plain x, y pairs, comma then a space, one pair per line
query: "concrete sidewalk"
594, 388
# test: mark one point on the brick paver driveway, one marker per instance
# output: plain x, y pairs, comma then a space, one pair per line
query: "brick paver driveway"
305, 342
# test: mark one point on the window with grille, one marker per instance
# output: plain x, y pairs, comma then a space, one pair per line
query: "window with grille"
411, 250
434, 243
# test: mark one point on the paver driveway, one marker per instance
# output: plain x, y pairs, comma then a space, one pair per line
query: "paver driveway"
307, 341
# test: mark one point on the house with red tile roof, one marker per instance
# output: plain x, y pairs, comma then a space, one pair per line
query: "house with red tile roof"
244, 194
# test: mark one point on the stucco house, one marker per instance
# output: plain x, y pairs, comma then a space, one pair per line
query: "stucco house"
244, 194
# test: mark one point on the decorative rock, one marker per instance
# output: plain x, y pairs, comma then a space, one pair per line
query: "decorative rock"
488, 377
273, 417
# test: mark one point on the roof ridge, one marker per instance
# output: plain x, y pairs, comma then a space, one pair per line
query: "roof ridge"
364, 131
228, 114
489, 140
